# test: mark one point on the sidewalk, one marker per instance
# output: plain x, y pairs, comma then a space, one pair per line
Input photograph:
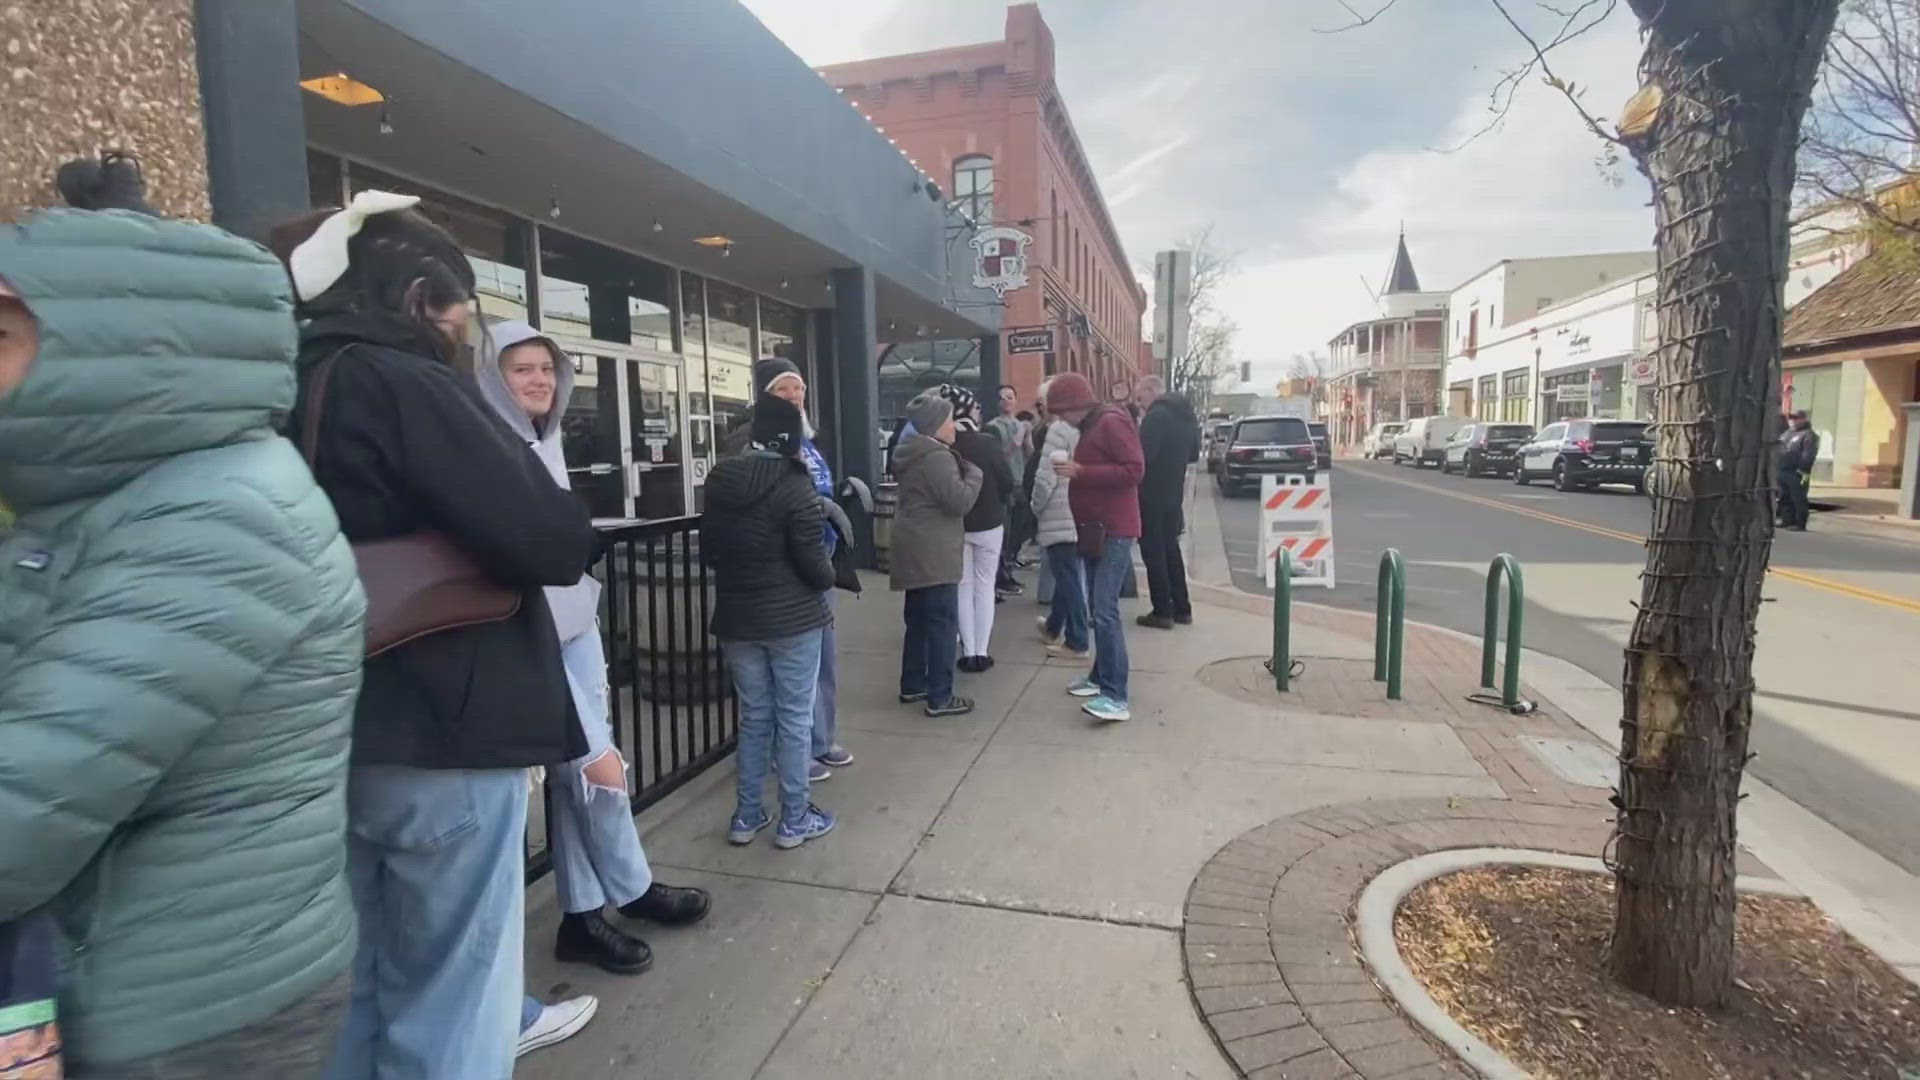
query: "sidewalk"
1022, 893
1862, 512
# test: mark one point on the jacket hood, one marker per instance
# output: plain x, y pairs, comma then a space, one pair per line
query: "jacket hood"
157, 338
914, 449
1178, 404
502, 336
745, 479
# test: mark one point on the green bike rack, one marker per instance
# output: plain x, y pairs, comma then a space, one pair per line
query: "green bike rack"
1390, 621
1282, 659
1504, 567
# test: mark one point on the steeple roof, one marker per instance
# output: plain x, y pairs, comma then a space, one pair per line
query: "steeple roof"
1402, 279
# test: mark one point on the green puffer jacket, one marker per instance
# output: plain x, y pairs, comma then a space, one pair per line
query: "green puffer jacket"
180, 640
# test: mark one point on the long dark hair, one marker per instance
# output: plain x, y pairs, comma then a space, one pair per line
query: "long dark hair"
399, 265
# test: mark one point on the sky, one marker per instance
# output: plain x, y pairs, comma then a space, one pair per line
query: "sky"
1306, 151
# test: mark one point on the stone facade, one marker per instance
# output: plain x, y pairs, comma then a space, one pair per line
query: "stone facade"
83, 76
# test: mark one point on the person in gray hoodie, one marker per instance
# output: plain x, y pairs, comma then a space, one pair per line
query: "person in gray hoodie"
597, 858
936, 489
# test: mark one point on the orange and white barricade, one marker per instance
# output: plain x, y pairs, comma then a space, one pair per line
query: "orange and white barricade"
1298, 516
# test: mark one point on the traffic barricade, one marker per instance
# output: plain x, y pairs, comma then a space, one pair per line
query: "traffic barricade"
1298, 516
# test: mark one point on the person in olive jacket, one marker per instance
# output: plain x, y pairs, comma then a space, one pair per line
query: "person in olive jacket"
937, 487
180, 644
764, 535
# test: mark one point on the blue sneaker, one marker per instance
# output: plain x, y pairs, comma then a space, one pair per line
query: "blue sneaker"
1107, 710
741, 830
814, 822
818, 771
1084, 687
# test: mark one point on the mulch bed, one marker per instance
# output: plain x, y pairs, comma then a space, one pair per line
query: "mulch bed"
1517, 955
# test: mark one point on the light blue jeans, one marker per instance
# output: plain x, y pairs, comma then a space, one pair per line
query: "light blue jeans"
826, 692
1105, 576
775, 680
435, 860
597, 858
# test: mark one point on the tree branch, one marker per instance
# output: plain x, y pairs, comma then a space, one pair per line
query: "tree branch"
1359, 20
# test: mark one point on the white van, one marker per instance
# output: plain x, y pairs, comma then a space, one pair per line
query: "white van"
1425, 440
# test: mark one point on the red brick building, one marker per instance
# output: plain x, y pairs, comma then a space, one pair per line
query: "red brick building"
987, 123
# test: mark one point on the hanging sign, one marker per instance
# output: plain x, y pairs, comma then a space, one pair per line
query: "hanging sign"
1000, 259
1642, 372
1030, 341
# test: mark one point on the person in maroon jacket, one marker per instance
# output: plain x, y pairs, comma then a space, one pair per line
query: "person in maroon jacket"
1105, 495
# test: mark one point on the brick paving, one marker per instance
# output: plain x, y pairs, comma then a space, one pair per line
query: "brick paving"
1268, 937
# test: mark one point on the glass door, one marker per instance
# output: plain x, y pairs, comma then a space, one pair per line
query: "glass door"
625, 438
657, 436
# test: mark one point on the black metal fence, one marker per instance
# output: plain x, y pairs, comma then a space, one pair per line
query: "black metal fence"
670, 700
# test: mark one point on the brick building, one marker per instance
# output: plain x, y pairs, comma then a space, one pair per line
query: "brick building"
988, 124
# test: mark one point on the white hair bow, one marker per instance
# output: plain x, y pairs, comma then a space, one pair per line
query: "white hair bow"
321, 259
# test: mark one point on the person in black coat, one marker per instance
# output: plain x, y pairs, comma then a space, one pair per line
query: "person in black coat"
1170, 439
446, 725
986, 526
764, 535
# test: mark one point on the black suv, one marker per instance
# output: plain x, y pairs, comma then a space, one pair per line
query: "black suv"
1478, 449
1261, 445
1322, 448
1582, 454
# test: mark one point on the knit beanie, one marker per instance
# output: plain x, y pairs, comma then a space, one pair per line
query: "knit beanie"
927, 412
1070, 390
966, 407
777, 425
772, 370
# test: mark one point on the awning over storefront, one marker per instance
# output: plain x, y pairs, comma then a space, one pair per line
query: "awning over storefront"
646, 125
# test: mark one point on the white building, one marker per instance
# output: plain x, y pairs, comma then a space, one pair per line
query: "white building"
1388, 367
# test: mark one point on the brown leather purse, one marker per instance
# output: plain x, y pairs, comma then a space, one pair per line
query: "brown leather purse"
418, 584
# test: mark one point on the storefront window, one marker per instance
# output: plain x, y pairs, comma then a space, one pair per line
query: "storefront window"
588, 290
1513, 396
729, 357
1486, 401
783, 332
324, 180
909, 368
493, 241
1566, 397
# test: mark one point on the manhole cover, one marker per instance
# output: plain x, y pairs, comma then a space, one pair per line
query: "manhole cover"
1582, 763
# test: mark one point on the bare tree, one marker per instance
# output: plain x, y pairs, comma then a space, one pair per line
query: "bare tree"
1858, 149
1198, 370
1724, 85
1313, 368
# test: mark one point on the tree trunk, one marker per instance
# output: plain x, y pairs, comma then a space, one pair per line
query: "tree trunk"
1735, 77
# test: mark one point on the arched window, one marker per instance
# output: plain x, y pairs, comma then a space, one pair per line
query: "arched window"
973, 187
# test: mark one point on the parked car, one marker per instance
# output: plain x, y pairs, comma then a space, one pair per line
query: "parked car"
1219, 432
1424, 442
1379, 441
1322, 446
1479, 449
1582, 454
1265, 445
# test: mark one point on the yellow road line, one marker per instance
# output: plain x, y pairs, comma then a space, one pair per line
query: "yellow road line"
1813, 580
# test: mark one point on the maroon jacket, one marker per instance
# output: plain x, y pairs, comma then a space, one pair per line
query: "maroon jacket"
1107, 490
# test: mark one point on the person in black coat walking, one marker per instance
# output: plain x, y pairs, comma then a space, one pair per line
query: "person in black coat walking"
1170, 439
764, 534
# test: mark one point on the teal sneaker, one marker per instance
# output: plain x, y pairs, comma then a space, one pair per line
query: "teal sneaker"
1084, 687
1107, 710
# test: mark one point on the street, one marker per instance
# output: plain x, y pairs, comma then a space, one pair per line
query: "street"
1836, 728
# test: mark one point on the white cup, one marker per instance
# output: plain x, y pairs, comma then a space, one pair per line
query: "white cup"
1058, 457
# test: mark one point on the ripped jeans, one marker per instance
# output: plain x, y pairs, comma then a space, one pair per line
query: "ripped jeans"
597, 858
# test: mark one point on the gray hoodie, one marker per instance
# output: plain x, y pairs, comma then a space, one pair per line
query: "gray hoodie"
575, 606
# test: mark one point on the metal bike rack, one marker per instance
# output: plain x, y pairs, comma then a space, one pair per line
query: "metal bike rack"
1281, 662
1390, 621
1503, 568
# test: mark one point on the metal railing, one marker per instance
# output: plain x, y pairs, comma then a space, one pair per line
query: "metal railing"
669, 698
1390, 621
1507, 567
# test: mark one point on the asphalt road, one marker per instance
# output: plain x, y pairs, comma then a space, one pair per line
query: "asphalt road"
1837, 724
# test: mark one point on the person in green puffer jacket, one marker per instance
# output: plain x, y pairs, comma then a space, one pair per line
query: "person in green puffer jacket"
180, 650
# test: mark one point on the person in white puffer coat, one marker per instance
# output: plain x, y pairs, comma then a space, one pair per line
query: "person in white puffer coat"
1064, 628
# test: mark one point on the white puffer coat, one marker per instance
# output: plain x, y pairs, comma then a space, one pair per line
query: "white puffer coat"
1050, 488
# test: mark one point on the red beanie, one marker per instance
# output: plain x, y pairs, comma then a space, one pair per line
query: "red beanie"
1070, 391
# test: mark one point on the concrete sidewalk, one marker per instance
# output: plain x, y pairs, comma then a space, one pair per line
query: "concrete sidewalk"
1004, 894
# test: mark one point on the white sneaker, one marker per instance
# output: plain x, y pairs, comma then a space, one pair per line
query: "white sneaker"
1084, 687
558, 1022
1051, 639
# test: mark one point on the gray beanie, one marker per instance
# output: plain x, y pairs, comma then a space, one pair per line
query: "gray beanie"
927, 412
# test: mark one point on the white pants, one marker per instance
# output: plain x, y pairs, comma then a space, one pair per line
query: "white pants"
976, 590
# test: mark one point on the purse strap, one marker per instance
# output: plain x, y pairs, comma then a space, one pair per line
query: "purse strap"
310, 421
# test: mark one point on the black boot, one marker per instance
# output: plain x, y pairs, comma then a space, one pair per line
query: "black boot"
588, 938
669, 905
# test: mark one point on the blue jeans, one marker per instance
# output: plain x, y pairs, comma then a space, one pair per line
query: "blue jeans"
826, 692
927, 652
1067, 617
434, 857
1107, 574
597, 858
775, 680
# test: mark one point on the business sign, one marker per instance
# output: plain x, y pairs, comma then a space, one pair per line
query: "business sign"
1030, 341
1172, 294
1642, 372
1000, 259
